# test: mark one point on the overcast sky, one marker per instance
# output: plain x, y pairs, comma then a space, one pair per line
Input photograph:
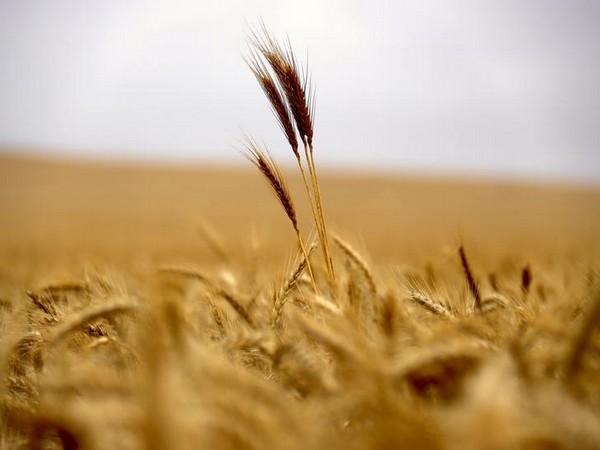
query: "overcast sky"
490, 87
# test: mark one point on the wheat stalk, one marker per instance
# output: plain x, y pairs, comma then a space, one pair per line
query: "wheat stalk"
282, 297
279, 103
299, 95
359, 261
267, 166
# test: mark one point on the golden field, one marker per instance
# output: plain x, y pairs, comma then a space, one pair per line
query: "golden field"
71, 211
160, 307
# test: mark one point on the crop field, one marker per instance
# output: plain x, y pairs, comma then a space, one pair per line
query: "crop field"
288, 307
147, 307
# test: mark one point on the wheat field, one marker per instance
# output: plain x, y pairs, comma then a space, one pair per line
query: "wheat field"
147, 307
168, 308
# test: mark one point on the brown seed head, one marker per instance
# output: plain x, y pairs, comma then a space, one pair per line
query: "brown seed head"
263, 162
275, 97
295, 86
471, 282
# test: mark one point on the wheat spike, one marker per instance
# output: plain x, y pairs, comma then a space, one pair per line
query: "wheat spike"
359, 261
76, 320
282, 297
265, 164
276, 98
300, 100
263, 161
429, 304
296, 88
473, 287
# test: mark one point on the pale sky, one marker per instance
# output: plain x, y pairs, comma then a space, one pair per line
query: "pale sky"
502, 88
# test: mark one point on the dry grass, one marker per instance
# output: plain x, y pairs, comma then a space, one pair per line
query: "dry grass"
172, 341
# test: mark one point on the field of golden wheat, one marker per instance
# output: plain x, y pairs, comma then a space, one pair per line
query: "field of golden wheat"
146, 307
182, 308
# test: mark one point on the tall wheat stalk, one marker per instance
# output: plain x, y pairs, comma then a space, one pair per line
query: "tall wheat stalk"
292, 100
265, 164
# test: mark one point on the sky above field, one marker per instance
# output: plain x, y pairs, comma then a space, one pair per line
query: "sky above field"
470, 87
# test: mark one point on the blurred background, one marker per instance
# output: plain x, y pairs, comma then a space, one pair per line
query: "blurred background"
480, 88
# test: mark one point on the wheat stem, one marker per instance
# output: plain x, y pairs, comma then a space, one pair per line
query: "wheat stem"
266, 165
319, 202
306, 254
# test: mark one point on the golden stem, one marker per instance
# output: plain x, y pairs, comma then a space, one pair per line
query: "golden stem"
308, 266
320, 219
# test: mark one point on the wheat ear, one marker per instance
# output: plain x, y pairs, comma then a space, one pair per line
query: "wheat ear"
300, 100
277, 99
193, 274
265, 164
473, 286
76, 320
355, 257
429, 304
282, 297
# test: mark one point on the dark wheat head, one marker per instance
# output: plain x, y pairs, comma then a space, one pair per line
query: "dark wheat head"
276, 98
295, 86
263, 162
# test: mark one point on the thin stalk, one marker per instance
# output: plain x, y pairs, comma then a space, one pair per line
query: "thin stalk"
305, 254
263, 161
316, 210
308, 149
309, 194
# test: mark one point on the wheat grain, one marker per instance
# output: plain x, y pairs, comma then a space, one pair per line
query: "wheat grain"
430, 305
281, 298
297, 90
74, 321
276, 99
472, 284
